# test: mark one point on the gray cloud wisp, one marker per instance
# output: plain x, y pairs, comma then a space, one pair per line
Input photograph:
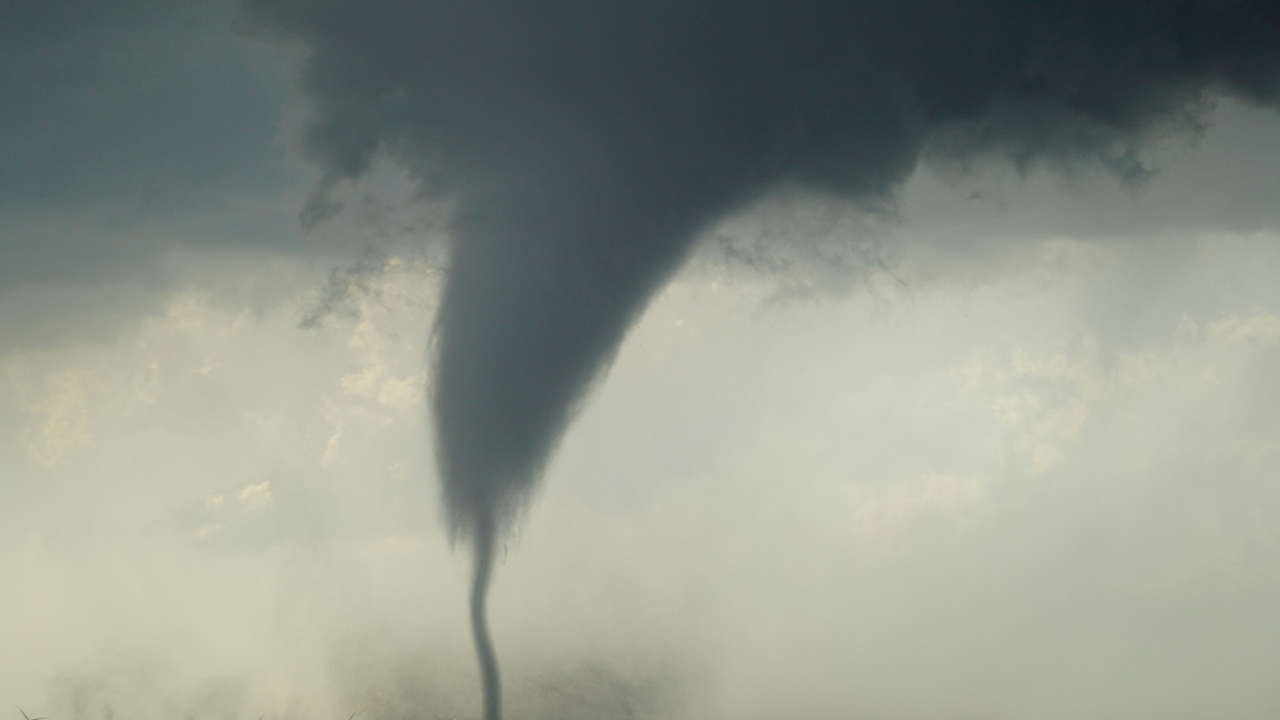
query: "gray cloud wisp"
586, 145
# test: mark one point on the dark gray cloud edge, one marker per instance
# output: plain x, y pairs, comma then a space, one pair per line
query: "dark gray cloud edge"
131, 127
586, 144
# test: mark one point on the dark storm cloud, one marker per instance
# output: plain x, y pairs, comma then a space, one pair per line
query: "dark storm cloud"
120, 116
586, 145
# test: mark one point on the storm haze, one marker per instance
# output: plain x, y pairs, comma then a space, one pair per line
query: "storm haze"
994, 235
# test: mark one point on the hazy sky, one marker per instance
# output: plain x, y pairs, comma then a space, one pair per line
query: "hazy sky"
1004, 447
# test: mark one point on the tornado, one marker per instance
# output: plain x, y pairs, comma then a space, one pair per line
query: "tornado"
584, 146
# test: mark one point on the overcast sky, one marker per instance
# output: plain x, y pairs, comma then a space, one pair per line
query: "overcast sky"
1003, 446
